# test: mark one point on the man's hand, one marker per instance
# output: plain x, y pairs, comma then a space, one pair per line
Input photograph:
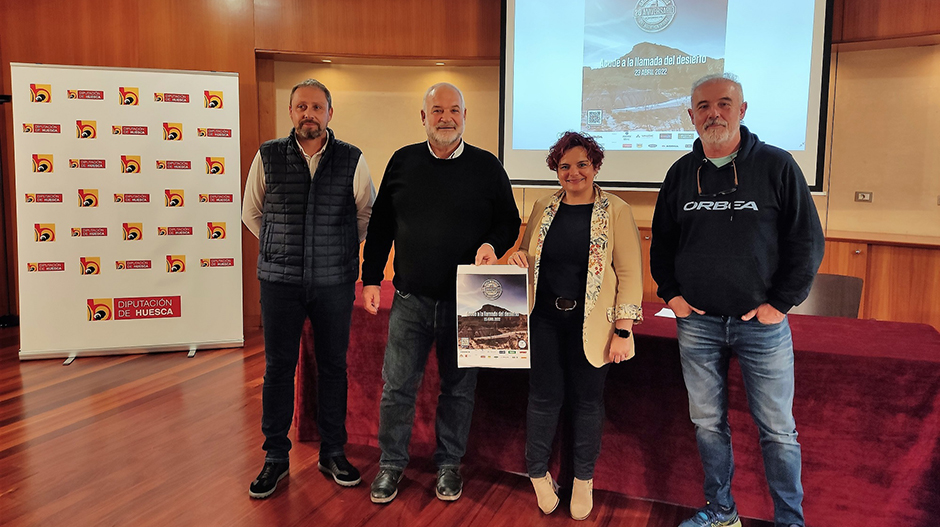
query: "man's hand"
519, 258
681, 308
485, 255
765, 313
371, 298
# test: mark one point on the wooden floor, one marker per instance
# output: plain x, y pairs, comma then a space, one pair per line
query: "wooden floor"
165, 440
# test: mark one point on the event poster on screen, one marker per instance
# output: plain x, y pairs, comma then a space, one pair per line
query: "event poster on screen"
492, 316
638, 68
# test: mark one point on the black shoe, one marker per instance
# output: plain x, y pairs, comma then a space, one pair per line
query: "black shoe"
449, 484
385, 485
266, 482
342, 471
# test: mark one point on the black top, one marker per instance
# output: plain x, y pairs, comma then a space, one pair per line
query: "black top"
728, 252
438, 212
564, 262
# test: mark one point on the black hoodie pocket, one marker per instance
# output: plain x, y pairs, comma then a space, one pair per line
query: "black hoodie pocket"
721, 285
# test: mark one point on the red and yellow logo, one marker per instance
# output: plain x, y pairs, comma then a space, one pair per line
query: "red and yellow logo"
87, 197
130, 164
132, 264
175, 263
129, 96
99, 309
173, 197
216, 262
133, 231
40, 93
90, 265
39, 128
44, 232
40, 267
212, 99
42, 163
216, 230
86, 129
173, 131
215, 165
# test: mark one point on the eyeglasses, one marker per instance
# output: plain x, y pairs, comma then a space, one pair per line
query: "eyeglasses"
698, 180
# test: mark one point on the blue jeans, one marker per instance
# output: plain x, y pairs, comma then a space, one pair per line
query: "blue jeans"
283, 311
415, 323
765, 355
559, 368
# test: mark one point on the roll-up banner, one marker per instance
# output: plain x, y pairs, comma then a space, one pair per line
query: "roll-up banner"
128, 210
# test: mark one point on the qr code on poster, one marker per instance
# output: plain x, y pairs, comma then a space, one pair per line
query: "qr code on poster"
594, 116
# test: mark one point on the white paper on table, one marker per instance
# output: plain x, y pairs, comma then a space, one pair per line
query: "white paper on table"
492, 316
665, 312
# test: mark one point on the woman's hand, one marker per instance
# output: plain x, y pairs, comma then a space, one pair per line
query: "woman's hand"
520, 259
620, 348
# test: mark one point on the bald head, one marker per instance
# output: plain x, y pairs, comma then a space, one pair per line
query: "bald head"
443, 117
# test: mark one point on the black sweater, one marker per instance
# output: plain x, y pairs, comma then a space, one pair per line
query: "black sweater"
727, 254
438, 212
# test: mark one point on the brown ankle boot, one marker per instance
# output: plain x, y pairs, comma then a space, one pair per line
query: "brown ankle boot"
582, 498
546, 490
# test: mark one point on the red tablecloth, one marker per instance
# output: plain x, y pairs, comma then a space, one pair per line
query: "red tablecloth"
867, 409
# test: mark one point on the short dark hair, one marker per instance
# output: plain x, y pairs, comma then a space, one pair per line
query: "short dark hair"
569, 140
312, 83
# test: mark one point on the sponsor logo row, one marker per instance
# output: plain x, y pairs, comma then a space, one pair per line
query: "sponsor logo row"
91, 265
45, 164
88, 197
46, 232
126, 96
88, 129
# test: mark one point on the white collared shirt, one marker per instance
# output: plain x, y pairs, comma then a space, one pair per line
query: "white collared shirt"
455, 154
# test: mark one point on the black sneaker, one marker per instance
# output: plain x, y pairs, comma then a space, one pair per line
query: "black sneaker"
449, 484
266, 482
342, 471
385, 485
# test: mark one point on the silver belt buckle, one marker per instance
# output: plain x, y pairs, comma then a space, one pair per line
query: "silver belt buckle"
573, 305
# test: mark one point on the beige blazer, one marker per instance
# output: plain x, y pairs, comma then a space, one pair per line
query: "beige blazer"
615, 275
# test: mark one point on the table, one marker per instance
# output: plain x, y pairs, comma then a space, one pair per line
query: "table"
867, 408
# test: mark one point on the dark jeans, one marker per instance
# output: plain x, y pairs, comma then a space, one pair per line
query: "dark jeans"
558, 365
416, 322
765, 355
283, 311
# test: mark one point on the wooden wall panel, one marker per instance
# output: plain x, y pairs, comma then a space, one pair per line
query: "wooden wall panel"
903, 284
649, 285
377, 28
885, 19
848, 259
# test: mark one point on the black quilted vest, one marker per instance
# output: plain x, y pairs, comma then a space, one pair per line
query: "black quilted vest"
309, 232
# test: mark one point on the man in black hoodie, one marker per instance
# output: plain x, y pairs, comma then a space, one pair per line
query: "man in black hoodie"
736, 244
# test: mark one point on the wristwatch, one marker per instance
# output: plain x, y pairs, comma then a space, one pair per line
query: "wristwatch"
622, 333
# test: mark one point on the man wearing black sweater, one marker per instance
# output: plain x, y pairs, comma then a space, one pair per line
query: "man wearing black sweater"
443, 203
736, 243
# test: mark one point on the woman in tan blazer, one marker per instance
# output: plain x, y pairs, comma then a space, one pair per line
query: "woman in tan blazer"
582, 249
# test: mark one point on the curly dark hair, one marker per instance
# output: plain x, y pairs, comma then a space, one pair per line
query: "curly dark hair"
569, 140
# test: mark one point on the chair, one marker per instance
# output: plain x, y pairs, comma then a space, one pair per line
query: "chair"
832, 295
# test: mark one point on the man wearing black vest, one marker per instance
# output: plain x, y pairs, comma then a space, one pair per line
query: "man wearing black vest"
443, 203
308, 199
